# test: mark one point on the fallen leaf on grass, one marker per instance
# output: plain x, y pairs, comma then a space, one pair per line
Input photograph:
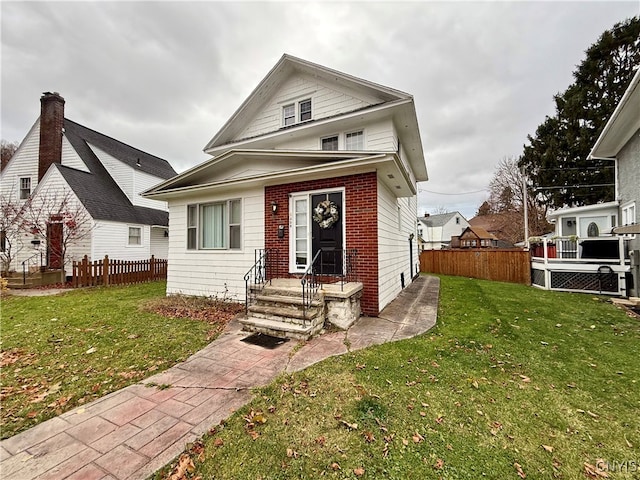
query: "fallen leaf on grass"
350, 426
592, 471
291, 453
368, 437
521, 473
218, 442
548, 448
91, 350
185, 466
358, 471
417, 438
525, 379
335, 466
439, 464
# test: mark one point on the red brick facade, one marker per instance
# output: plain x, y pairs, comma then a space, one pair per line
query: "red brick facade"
51, 124
361, 226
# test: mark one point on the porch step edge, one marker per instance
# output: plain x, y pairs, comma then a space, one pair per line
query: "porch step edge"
284, 312
280, 329
298, 301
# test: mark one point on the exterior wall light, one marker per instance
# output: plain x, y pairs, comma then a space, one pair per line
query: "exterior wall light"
274, 207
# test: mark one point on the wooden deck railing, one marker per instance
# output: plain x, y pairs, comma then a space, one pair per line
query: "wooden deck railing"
117, 272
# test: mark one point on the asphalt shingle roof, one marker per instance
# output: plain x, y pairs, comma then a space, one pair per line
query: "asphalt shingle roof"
97, 190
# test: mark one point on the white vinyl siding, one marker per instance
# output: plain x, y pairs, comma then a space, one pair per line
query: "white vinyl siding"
70, 157
112, 239
326, 102
130, 181
214, 272
393, 243
24, 163
159, 243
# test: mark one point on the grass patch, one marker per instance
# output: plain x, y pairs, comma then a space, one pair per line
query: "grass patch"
513, 382
58, 352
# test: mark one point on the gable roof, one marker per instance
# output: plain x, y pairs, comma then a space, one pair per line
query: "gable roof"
97, 190
622, 124
439, 220
286, 66
479, 232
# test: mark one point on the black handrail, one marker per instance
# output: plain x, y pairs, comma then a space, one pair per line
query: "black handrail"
258, 274
310, 284
26, 262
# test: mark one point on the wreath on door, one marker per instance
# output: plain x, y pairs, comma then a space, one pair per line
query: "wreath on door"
326, 214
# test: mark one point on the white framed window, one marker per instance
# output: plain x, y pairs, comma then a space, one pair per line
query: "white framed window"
354, 140
305, 110
329, 143
135, 236
214, 226
25, 187
289, 114
300, 239
296, 112
629, 214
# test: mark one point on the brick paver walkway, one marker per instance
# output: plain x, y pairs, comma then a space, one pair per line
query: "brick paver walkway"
133, 432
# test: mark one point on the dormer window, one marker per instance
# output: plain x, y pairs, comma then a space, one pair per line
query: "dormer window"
300, 111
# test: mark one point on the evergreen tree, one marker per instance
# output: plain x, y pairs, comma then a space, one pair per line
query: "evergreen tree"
556, 157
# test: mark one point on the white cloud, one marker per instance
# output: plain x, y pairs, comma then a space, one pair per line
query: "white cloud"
165, 76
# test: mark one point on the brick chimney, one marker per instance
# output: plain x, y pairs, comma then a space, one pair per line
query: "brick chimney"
51, 125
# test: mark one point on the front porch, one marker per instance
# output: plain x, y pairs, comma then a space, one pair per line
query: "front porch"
598, 265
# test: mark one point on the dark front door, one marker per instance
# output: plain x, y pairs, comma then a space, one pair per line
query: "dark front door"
54, 245
326, 232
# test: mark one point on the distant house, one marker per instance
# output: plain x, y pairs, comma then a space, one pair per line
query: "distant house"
505, 226
436, 231
315, 172
62, 167
477, 237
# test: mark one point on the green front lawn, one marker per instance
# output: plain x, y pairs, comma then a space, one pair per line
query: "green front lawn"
513, 382
58, 352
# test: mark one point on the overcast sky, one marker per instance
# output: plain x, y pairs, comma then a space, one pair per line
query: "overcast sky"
165, 76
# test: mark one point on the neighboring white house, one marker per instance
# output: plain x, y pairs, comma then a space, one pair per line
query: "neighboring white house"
314, 159
73, 174
598, 246
435, 231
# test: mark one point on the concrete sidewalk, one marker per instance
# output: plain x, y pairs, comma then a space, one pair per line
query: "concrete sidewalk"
135, 431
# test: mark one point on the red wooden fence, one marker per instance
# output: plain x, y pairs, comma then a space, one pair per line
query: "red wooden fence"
117, 272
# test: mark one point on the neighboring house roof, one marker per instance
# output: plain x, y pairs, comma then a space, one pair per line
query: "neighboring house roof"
438, 220
624, 122
584, 209
479, 232
98, 192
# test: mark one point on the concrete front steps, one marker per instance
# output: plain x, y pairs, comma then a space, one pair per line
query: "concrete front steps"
15, 280
278, 311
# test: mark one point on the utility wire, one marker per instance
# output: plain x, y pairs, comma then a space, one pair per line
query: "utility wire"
462, 193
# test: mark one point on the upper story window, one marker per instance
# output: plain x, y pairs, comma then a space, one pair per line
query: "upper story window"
330, 143
289, 114
300, 110
25, 187
305, 110
354, 140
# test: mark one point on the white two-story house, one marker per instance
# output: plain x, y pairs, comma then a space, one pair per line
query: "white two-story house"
73, 191
314, 160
